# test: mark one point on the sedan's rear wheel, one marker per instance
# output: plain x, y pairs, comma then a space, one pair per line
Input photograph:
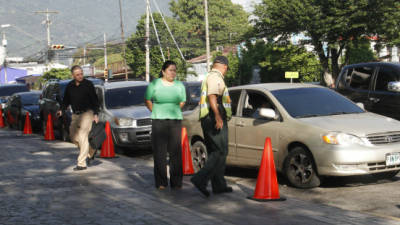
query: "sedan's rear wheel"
199, 155
300, 169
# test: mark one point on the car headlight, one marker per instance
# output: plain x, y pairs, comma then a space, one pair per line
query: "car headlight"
344, 139
125, 122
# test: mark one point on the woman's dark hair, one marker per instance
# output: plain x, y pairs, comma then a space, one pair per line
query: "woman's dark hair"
166, 65
73, 68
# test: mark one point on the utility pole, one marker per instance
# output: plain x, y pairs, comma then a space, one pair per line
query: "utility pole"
48, 23
4, 42
84, 55
105, 57
207, 35
147, 44
123, 40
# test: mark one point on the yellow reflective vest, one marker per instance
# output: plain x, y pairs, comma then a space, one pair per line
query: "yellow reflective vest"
204, 102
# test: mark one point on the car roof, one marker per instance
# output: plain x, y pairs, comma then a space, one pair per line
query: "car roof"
391, 64
29, 93
275, 86
123, 84
12, 85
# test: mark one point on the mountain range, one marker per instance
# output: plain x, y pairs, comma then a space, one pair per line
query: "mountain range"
76, 23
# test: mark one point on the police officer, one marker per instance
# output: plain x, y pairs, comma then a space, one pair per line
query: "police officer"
215, 111
81, 95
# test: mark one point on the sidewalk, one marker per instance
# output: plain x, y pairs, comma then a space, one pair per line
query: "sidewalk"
38, 186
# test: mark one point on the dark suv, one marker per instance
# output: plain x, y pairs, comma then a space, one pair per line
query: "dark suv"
50, 103
376, 85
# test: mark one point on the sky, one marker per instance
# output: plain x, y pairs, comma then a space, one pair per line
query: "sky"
247, 4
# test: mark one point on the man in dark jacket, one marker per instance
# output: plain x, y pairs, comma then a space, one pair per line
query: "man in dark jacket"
81, 95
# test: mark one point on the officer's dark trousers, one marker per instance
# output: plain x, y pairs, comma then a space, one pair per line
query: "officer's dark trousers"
216, 142
166, 137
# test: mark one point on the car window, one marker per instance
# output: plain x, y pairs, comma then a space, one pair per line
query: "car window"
361, 77
99, 94
253, 102
30, 99
314, 102
235, 96
125, 97
386, 75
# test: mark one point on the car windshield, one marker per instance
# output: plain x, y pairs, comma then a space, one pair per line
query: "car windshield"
125, 97
313, 102
31, 99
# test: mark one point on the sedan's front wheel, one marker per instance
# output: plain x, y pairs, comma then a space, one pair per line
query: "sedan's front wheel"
300, 169
199, 155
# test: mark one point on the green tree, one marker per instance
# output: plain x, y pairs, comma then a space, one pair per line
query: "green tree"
359, 51
334, 22
61, 74
274, 60
228, 23
135, 54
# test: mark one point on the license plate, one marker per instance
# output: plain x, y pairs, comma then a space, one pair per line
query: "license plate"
393, 159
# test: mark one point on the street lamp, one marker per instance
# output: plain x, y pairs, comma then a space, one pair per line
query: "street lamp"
4, 42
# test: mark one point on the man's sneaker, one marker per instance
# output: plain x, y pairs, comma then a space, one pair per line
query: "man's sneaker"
77, 168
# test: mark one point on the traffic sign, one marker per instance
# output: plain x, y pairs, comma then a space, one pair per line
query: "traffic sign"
290, 75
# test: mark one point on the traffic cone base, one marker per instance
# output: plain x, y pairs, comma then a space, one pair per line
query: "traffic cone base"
267, 188
27, 126
107, 148
187, 163
267, 200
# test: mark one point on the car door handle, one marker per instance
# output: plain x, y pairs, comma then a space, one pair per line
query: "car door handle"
375, 100
240, 124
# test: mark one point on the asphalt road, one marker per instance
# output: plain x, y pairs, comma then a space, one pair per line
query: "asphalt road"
357, 193
38, 186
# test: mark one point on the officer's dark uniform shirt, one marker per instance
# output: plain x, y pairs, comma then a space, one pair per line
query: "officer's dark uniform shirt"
81, 98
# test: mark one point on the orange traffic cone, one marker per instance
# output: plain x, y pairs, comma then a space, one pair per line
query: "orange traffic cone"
28, 126
107, 149
267, 188
1, 118
187, 163
49, 135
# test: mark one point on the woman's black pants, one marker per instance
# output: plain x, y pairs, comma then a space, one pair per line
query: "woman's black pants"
166, 137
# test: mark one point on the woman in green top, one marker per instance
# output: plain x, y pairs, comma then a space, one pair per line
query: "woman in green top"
165, 98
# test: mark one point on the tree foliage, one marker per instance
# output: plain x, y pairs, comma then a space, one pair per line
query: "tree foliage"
358, 51
274, 60
228, 23
61, 74
331, 22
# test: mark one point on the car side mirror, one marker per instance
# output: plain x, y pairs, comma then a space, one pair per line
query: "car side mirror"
268, 113
394, 86
361, 105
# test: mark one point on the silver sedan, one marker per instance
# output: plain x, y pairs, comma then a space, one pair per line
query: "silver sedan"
314, 131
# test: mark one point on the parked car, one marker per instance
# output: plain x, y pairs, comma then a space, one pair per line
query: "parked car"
18, 105
7, 90
122, 105
315, 132
193, 91
376, 85
50, 103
